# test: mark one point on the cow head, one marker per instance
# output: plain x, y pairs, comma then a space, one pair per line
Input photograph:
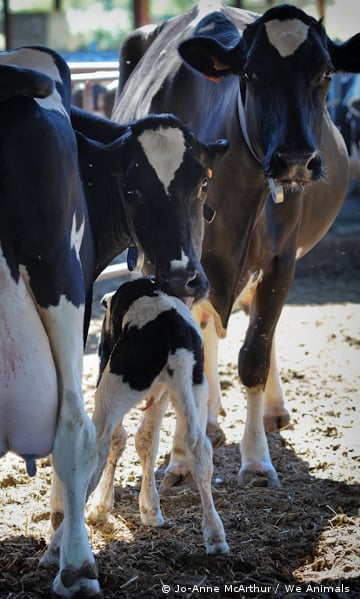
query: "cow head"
284, 61
163, 186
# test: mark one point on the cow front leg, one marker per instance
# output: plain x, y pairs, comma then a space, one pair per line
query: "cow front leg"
276, 415
211, 347
256, 467
254, 364
102, 500
147, 444
73, 456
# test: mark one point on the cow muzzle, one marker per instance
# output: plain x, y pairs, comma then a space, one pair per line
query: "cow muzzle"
295, 168
186, 284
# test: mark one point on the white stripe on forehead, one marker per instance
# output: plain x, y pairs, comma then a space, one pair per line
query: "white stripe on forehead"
286, 36
164, 148
179, 264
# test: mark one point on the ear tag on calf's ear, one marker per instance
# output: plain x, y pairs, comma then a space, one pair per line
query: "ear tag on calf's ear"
132, 257
276, 191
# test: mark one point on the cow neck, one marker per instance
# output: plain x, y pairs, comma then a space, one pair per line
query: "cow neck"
276, 190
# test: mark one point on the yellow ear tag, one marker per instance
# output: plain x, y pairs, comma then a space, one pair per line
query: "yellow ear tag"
209, 173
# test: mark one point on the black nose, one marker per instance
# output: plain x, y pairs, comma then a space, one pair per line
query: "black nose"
187, 283
297, 167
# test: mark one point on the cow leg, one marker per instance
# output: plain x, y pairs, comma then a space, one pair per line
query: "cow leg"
73, 455
113, 399
102, 500
211, 346
178, 466
254, 363
198, 456
276, 415
147, 443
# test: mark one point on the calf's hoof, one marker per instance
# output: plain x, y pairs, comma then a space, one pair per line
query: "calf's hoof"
175, 476
73, 583
258, 474
216, 546
216, 435
275, 419
152, 518
97, 514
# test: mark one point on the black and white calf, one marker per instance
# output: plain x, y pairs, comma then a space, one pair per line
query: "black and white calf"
152, 348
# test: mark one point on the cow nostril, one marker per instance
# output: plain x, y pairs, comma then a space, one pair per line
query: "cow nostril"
193, 281
313, 162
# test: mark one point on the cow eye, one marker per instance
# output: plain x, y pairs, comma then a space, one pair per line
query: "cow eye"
249, 76
328, 74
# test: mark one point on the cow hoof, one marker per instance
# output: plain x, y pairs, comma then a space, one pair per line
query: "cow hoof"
73, 583
217, 547
151, 518
275, 419
258, 474
97, 514
216, 435
175, 479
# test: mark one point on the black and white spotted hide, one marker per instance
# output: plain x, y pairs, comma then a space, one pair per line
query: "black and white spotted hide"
151, 349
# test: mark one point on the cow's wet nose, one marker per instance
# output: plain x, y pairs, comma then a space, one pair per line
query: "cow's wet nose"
299, 167
188, 284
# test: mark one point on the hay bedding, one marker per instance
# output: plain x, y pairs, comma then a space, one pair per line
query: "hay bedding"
304, 534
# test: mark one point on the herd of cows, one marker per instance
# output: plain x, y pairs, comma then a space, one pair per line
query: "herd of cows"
221, 164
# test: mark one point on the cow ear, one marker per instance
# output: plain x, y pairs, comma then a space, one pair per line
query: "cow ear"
346, 56
212, 152
213, 49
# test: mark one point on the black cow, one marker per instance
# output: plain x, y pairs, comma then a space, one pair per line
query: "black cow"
262, 83
60, 225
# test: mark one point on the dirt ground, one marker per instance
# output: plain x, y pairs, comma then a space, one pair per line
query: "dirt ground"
301, 540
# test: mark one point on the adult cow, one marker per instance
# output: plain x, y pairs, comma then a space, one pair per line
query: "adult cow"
261, 82
59, 227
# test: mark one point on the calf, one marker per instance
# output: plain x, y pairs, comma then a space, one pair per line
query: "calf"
150, 345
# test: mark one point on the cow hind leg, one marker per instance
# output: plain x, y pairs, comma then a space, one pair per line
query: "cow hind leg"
73, 456
147, 443
276, 415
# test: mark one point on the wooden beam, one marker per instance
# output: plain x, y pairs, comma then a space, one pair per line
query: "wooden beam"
7, 32
141, 12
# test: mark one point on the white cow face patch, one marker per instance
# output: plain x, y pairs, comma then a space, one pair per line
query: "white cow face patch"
164, 148
179, 264
286, 36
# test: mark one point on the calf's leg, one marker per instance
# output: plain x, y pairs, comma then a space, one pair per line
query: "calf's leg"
147, 443
198, 456
102, 500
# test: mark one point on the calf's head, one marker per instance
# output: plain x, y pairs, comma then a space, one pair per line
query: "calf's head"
284, 61
163, 186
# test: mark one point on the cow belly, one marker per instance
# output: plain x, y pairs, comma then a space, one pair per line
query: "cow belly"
28, 383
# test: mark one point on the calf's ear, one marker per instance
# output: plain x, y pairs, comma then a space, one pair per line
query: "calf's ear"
213, 50
346, 56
